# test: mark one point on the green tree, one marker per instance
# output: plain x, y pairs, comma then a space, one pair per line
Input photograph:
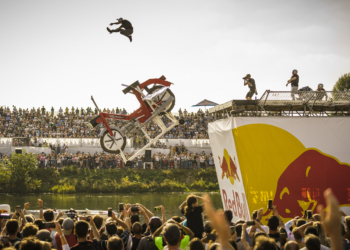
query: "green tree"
15, 174
342, 83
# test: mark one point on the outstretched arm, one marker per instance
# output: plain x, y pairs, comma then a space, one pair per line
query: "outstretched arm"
158, 231
114, 23
275, 212
187, 230
302, 228
144, 214
148, 212
182, 205
163, 214
331, 221
41, 213
243, 238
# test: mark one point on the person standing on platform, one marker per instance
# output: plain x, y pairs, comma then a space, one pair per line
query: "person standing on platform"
251, 84
294, 81
322, 93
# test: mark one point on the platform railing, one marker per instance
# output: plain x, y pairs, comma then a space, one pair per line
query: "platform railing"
309, 98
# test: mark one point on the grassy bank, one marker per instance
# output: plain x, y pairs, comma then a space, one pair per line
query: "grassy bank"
72, 179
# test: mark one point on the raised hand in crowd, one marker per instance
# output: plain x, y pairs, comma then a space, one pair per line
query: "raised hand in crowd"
218, 222
127, 224
59, 215
275, 212
58, 229
26, 205
41, 213
331, 219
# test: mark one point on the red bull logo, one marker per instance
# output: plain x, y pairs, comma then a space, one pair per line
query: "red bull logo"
2, 211
303, 182
229, 168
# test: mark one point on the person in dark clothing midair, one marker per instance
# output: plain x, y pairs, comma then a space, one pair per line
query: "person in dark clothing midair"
125, 28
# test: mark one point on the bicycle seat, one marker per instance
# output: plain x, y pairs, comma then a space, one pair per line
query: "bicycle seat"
131, 87
155, 93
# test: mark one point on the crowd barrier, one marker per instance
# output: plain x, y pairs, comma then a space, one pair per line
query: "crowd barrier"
35, 150
126, 150
95, 143
189, 143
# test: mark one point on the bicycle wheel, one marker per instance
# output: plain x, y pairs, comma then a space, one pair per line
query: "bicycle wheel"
111, 144
163, 97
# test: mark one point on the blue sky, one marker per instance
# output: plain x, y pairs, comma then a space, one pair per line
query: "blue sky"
58, 53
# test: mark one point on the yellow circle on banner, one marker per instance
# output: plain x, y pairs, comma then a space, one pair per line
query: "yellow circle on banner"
264, 152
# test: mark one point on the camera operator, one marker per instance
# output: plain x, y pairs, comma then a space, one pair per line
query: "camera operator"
294, 82
251, 84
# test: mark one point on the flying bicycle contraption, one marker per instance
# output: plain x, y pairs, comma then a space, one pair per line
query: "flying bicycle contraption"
156, 102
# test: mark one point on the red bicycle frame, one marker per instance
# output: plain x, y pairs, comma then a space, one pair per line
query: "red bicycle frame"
142, 113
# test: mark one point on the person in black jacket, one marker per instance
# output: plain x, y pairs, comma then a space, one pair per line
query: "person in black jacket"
251, 84
125, 28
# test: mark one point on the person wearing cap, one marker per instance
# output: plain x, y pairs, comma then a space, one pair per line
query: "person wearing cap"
154, 224
64, 243
294, 82
251, 84
125, 28
68, 226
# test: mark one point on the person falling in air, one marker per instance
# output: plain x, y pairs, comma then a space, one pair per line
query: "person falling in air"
125, 28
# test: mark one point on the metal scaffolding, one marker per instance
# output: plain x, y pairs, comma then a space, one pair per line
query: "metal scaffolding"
287, 103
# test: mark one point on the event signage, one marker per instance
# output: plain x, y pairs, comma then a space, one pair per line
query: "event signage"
290, 160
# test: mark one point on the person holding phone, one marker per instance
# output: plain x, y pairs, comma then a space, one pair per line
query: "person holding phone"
67, 233
258, 225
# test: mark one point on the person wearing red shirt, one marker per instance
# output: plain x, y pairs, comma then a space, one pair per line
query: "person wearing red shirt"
68, 226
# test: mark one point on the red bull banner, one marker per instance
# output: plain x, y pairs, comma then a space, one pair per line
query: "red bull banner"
290, 160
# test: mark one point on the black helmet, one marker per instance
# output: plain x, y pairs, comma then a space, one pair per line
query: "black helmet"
294, 70
120, 19
155, 221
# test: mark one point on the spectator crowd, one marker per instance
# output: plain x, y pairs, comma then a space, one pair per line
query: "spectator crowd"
200, 228
74, 123
178, 158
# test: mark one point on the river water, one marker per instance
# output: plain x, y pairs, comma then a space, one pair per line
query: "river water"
170, 201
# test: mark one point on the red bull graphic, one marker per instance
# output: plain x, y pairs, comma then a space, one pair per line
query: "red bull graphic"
301, 185
2, 211
229, 168
274, 164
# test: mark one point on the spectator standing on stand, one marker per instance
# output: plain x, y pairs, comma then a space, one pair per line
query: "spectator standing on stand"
193, 213
294, 81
